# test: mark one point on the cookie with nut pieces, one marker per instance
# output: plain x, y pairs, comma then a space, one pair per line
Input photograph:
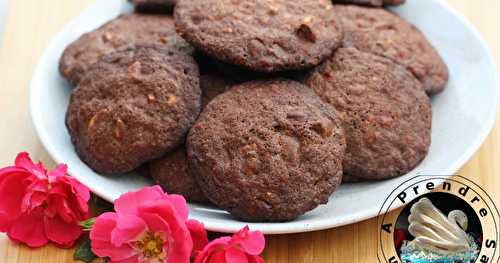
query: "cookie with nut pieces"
262, 35
126, 30
133, 106
386, 114
380, 32
267, 150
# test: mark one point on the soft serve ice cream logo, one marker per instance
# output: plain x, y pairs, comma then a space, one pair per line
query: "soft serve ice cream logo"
445, 220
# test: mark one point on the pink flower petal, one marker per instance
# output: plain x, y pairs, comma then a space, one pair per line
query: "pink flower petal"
216, 257
198, 234
38, 185
180, 251
127, 229
13, 181
128, 203
60, 171
209, 249
179, 203
29, 229
242, 247
34, 193
103, 226
5, 221
36, 199
252, 242
80, 191
23, 160
155, 223
182, 244
116, 254
134, 259
100, 235
62, 233
73, 202
59, 206
234, 255
60, 189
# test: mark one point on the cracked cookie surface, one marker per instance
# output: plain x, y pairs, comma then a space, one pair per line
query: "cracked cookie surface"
125, 31
133, 106
380, 32
263, 35
267, 150
386, 114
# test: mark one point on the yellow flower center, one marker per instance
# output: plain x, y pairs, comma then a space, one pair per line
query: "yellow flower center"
151, 246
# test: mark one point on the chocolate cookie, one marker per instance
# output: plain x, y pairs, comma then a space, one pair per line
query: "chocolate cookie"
124, 31
267, 150
133, 106
263, 35
171, 172
376, 3
386, 114
154, 6
383, 33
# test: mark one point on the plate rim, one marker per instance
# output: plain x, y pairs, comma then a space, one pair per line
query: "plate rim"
271, 228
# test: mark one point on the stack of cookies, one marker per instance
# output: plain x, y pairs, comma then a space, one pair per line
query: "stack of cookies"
261, 107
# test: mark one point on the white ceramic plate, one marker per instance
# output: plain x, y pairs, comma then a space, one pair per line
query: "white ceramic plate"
463, 116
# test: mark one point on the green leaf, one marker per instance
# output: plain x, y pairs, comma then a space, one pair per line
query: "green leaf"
87, 224
84, 253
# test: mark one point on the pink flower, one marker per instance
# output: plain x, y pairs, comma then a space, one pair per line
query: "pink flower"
38, 206
148, 226
244, 246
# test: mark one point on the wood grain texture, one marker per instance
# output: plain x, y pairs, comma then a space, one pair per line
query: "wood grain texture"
32, 23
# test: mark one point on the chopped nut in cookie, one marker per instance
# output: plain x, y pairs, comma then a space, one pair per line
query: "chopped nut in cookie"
305, 32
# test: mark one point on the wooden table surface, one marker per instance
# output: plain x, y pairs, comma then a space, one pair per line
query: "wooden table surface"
31, 24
